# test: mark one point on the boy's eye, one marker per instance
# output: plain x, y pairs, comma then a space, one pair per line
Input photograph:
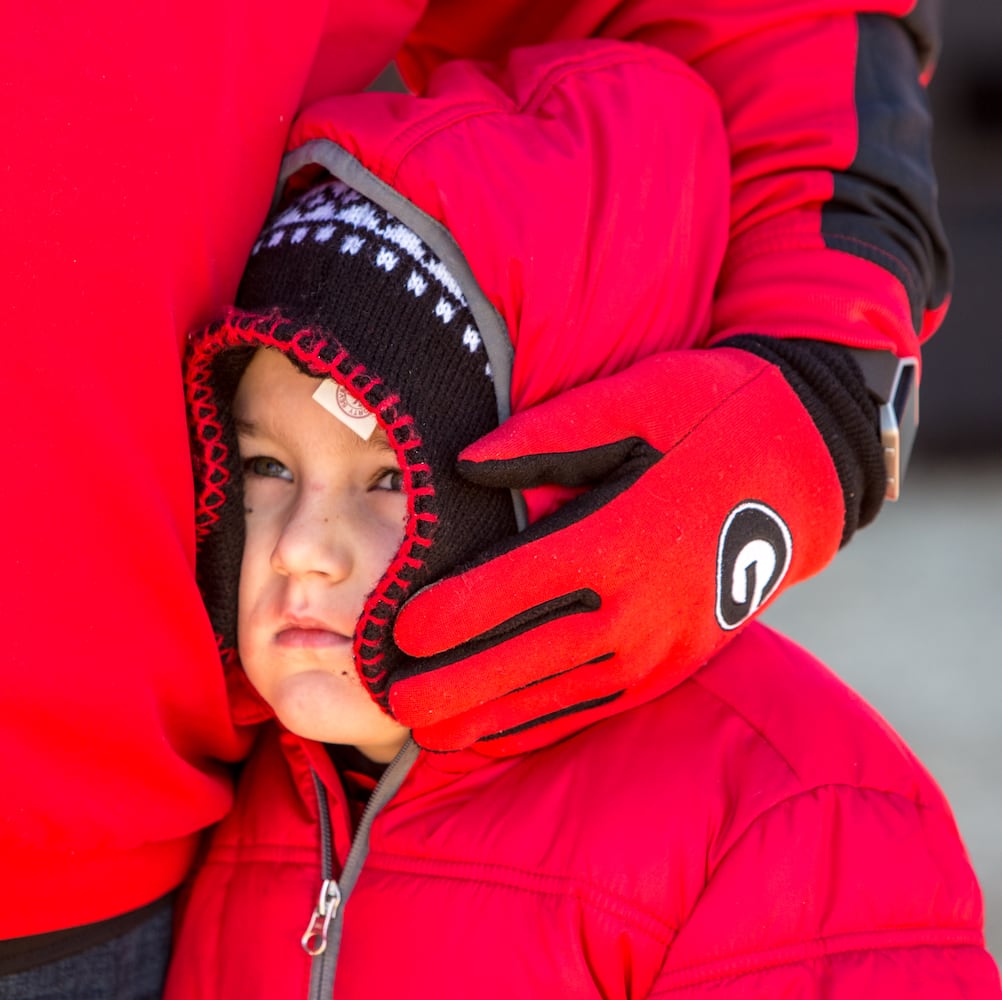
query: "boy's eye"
262, 465
392, 479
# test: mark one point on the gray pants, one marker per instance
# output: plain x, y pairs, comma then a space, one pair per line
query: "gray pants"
129, 967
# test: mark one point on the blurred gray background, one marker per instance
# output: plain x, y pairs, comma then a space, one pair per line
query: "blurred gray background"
910, 613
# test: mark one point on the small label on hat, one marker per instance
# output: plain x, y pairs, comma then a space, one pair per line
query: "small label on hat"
336, 399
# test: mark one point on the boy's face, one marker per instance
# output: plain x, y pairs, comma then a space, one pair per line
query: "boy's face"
325, 514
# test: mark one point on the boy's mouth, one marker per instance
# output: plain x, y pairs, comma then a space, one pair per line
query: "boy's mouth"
311, 638
310, 633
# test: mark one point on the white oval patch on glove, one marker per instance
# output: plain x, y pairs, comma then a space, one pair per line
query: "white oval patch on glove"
753, 555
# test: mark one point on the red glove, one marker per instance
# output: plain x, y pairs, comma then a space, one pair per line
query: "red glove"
709, 490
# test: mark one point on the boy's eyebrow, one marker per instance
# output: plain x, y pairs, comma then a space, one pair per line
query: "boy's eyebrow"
381, 443
378, 442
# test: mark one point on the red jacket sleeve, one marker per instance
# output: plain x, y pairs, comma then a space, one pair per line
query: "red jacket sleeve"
834, 228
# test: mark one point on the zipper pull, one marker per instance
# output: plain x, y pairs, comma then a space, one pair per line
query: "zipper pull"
314, 941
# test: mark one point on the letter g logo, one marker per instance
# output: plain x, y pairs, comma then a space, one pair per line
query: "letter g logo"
753, 556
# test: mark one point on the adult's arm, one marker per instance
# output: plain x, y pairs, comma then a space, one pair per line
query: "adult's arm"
835, 244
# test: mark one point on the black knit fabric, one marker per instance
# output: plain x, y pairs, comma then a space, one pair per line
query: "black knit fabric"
345, 291
831, 386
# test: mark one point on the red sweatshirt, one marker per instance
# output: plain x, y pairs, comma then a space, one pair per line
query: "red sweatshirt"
141, 144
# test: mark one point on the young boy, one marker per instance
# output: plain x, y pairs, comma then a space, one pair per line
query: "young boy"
747, 827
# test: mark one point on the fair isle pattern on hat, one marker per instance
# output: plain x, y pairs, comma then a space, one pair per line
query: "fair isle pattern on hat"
334, 211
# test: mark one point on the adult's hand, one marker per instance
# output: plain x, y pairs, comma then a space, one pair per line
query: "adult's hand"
706, 489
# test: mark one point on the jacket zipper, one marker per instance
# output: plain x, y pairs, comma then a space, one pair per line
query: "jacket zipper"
314, 939
322, 940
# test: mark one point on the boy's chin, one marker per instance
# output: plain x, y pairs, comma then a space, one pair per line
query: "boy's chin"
334, 707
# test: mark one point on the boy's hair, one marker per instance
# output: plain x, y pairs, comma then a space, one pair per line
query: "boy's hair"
347, 292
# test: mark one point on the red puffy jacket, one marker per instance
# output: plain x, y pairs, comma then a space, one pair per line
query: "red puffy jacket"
756, 832
750, 829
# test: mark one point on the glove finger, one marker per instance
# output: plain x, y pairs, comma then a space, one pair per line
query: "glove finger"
531, 716
579, 416
558, 567
581, 468
510, 592
539, 714
448, 689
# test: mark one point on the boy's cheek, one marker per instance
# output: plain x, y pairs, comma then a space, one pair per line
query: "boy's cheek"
255, 563
252, 632
256, 672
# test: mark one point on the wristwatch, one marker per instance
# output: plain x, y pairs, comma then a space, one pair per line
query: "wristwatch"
893, 382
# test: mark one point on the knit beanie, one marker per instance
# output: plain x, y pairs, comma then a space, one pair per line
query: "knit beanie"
349, 294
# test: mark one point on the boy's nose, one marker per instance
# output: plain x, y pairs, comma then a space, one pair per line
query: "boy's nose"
314, 541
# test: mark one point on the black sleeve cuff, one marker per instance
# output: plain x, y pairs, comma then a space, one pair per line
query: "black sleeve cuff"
830, 384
